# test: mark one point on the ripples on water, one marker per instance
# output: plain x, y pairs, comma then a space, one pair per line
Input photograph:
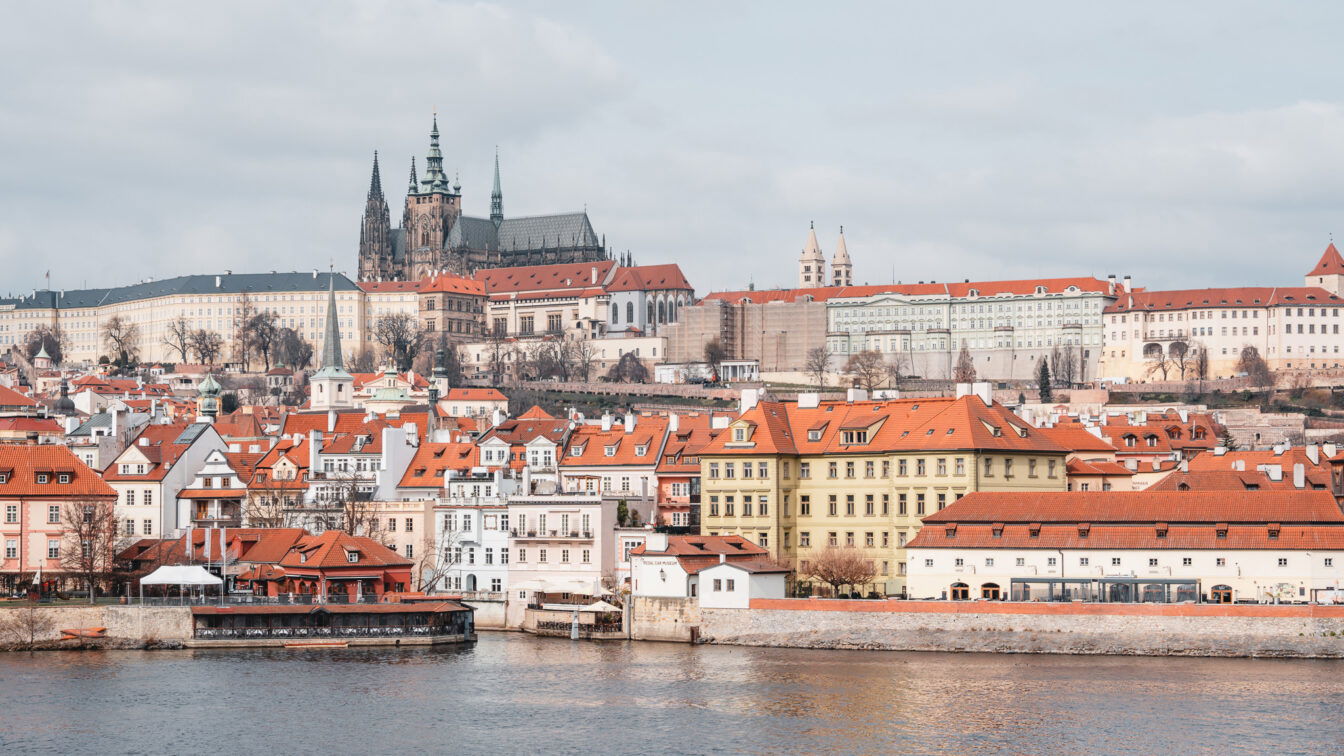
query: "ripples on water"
519, 694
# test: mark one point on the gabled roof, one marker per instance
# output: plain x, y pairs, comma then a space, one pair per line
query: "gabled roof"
475, 395
331, 549
161, 445
1076, 438
649, 278
959, 289
588, 444
22, 462
432, 461
347, 422
447, 283
11, 398
536, 413
681, 453
1331, 264
1243, 297
1235, 480
567, 277
1079, 467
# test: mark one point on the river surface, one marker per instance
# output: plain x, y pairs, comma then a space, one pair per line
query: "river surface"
512, 693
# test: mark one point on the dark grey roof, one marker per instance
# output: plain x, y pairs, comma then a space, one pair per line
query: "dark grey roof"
232, 283
191, 433
547, 231
473, 233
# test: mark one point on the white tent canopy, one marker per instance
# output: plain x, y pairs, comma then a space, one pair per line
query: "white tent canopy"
180, 575
601, 606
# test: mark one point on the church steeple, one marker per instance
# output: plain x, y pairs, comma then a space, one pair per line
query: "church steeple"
415, 185
812, 263
332, 386
842, 268
376, 181
497, 197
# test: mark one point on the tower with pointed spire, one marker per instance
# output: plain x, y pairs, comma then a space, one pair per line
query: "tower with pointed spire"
375, 233
842, 269
1329, 272
207, 404
812, 263
497, 198
434, 235
332, 387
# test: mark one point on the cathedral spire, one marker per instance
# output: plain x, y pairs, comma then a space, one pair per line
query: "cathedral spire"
497, 197
414, 188
376, 181
435, 179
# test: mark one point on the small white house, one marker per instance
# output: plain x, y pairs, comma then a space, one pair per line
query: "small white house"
732, 585
731, 568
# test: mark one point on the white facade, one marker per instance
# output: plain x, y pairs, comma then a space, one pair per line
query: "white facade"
563, 538
471, 524
730, 586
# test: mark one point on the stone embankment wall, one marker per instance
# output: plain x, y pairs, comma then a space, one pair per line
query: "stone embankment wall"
664, 619
136, 623
1123, 629
489, 613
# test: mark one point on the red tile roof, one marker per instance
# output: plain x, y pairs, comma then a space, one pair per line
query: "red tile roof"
155, 442
1110, 536
1199, 299
331, 548
536, 413
11, 398
1076, 438
1331, 263
346, 422
957, 289
475, 395
446, 283
30, 424
23, 462
429, 466
1233, 480
1140, 506
588, 444
375, 287
649, 278
681, 453
569, 277
1079, 467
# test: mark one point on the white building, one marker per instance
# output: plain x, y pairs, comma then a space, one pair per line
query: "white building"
1133, 546
149, 474
560, 543
721, 571
472, 531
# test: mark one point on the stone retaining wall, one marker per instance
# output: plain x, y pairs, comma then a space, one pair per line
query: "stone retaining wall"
664, 619
149, 623
1004, 627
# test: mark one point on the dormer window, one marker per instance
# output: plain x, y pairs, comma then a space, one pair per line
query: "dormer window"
814, 435
63, 478
739, 434
609, 451
4, 478
1161, 530
1151, 440
352, 557
303, 557
641, 451
854, 437
43, 478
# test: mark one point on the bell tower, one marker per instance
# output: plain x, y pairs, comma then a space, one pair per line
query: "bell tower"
811, 264
375, 233
432, 209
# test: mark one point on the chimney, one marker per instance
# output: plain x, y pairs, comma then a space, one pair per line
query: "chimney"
809, 400
1274, 472
144, 441
496, 417
723, 558
219, 281
1129, 285
606, 420
655, 542
1328, 450
629, 422
1314, 453
1185, 465
856, 394
1239, 465
1279, 449
673, 423
1184, 414
594, 275
314, 446
749, 399
1219, 450
1110, 283
331, 421
1299, 475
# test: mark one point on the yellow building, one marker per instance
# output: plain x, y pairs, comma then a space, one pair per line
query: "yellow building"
798, 477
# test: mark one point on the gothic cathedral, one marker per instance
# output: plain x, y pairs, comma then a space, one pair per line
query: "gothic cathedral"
435, 236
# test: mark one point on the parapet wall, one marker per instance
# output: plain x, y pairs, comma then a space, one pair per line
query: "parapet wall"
1007, 627
134, 623
664, 619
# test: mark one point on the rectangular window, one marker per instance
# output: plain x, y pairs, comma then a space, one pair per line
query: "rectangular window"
886, 504
522, 555
1051, 561
901, 504
849, 505
147, 527
53, 549
1186, 561
831, 507
919, 504
1083, 561
718, 584
831, 469
942, 466
902, 468
804, 505
919, 466
11, 549
763, 505
1115, 561
1021, 562
831, 539
804, 470
728, 506
869, 469
804, 539
53, 513
762, 470
868, 508
541, 556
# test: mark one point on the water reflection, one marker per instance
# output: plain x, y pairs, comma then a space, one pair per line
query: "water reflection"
519, 694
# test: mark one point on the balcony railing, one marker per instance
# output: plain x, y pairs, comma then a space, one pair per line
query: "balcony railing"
579, 534
289, 633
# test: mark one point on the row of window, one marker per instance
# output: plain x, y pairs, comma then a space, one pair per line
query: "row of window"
12, 548
873, 504
585, 556
761, 470
1115, 561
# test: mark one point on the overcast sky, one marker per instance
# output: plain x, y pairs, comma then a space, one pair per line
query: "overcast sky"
1188, 144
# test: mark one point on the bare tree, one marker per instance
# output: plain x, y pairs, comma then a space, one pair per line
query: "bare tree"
867, 368
25, 625
839, 566
816, 363
628, 369
178, 338
51, 338
242, 315
261, 333
899, 368
1254, 367
715, 354
1066, 365
401, 336
582, 356
1158, 360
437, 563
122, 338
292, 349
1201, 362
362, 360
207, 345
91, 541
964, 372
498, 353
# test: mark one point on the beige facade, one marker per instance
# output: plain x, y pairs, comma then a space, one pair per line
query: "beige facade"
775, 332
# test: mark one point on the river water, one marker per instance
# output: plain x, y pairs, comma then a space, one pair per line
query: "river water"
520, 694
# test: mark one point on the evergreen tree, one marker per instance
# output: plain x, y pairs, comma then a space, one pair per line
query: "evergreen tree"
1043, 380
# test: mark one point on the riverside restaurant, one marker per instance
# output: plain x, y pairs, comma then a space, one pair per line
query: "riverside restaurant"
324, 625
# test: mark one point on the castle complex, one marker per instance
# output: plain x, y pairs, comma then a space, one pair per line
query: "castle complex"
435, 236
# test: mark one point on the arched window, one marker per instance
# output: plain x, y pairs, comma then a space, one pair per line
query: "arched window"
960, 592
649, 319
662, 311
629, 312
615, 314
990, 592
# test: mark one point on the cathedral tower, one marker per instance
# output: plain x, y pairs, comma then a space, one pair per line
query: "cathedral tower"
375, 233
812, 264
431, 211
842, 269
